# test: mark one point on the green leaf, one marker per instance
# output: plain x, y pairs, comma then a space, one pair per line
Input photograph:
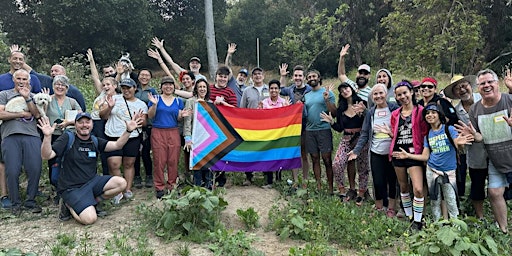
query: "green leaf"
491, 244
446, 235
187, 226
434, 249
298, 222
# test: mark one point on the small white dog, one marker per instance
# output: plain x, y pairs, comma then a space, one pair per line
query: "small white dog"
18, 104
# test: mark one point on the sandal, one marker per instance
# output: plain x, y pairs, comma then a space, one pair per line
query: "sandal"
351, 194
390, 213
359, 201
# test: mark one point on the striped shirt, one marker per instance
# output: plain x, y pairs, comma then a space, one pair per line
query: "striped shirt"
227, 93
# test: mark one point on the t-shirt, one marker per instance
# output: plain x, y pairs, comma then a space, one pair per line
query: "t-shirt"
268, 103
315, 104
443, 155
142, 94
116, 126
166, 116
363, 93
404, 135
381, 141
79, 165
18, 125
226, 92
6, 83
496, 133
55, 112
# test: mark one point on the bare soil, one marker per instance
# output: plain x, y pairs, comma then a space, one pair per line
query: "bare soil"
38, 232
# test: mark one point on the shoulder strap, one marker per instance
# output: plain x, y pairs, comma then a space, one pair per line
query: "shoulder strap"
71, 140
449, 135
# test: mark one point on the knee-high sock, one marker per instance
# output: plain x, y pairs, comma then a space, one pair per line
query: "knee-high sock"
407, 203
417, 207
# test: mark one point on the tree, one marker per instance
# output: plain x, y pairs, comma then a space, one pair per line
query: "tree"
313, 36
210, 38
425, 37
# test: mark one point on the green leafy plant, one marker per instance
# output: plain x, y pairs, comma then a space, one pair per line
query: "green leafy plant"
320, 249
229, 243
121, 245
183, 249
190, 215
456, 237
65, 243
249, 217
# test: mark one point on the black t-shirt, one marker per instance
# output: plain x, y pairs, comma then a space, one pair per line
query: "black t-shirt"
299, 93
79, 164
404, 135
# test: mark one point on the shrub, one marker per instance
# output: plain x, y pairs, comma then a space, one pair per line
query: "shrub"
249, 217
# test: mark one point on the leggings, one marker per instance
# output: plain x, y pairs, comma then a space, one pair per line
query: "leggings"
384, 177
340, 163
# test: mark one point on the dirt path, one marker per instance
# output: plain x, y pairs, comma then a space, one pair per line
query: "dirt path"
38, 233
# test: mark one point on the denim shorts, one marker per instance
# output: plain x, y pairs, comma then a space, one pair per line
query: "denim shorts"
497, 179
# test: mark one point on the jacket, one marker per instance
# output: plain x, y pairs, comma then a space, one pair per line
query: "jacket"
419, 129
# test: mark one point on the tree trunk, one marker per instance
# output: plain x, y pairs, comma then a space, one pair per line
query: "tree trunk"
210, 38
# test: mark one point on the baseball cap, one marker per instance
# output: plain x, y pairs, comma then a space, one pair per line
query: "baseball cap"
244, 71
167, 79
364, 67
256, 69
195, 59
415, 83
127, 82
82, 114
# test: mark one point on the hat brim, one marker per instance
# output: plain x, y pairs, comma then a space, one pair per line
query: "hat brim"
448, 90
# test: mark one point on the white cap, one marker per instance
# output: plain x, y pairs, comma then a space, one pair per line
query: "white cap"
364, 67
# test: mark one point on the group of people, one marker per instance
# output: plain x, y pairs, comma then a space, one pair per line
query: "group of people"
402, 134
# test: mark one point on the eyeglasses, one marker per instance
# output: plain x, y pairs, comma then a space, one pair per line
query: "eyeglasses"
430, 86
486, 82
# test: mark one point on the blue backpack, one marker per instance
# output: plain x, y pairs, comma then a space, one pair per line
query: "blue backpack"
57, 166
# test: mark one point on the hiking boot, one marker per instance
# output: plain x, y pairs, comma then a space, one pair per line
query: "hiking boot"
351, 195
149, 182
64, 212
128, 194
160, 194
33, 208
137, 182
268, 186
5, 202
99, 211
416, 226
117, 199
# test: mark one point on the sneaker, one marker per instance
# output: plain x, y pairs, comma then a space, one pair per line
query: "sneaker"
359, 201
159, 194
400, 214
128, 194
64, 212
268, 186
100, 212
33, 208
416, 226
137, 182
117, 199
6, 202
247, 183
390, 213
149, 182
16, 210
351, 195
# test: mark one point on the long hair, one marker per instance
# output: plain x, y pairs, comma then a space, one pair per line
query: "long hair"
343, 103
409, 86
196, 93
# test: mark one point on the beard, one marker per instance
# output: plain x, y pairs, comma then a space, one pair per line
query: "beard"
361, 82
313, 83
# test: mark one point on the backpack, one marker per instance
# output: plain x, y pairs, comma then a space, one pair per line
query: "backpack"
57, 166
450, 139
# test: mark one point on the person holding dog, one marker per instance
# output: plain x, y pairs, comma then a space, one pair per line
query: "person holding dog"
21, 143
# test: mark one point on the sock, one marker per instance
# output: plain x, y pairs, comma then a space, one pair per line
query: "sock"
407, 204
417, 206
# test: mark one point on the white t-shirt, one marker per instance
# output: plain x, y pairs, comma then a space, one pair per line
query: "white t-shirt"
116, 126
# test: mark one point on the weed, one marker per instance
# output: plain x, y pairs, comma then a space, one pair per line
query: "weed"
249, 217
313, 249
65, 243
183, 249
228, 243
120, 245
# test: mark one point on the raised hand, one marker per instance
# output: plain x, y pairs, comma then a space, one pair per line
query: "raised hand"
283, 69
90, 56
157, 43
45, 90
231, 48
508, 79
154, 54
110, 101
185, 112
45, 127
15, 48
326, 93
153, 98
24, 91
326, 117
359, 107
382, 128
464, 129
344, 50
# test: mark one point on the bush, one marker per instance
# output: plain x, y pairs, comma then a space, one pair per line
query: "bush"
249, 217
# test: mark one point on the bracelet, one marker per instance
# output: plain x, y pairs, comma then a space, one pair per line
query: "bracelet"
28, 100
129, 131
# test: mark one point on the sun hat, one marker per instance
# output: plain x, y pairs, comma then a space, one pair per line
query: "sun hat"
457, 79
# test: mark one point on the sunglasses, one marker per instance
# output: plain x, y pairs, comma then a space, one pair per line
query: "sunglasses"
430, 86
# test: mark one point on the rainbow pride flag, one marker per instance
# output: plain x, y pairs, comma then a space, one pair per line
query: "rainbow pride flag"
259, 139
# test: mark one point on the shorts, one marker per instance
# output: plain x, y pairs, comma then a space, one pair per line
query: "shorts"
130, 149
85, 196
406, 163
319, 141
1, 155
497, 179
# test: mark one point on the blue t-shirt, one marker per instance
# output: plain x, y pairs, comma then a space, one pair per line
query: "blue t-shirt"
167, 116
443, 156
315, 104
6, 83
